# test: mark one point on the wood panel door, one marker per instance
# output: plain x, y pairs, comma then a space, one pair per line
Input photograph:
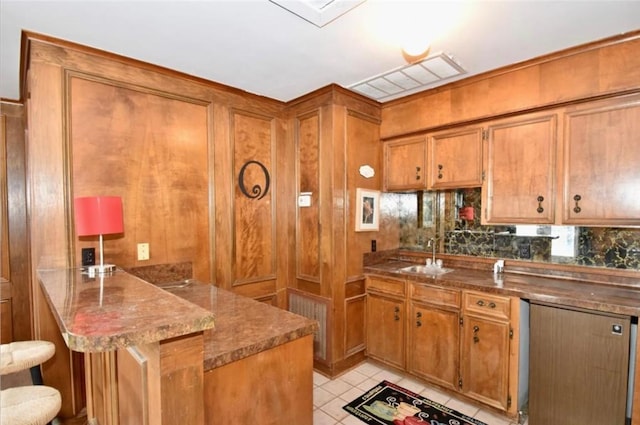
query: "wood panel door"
520, 170
601, 157
484, 361
385, 329
405, 163
434, 344
456, 159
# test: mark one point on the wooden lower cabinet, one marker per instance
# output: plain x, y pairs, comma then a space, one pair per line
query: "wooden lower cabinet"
385, 329
464, 341
484, 364
486, 361
433, 346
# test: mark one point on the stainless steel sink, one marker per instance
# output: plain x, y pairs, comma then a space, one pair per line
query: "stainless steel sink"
426, 270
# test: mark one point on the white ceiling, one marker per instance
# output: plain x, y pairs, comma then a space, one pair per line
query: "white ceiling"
260, 47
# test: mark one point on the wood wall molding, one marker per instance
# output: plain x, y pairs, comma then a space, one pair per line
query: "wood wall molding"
75, 53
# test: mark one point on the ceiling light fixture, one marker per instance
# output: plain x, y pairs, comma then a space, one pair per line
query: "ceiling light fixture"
412, 55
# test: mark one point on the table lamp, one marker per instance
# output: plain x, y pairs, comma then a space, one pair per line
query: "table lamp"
98, 215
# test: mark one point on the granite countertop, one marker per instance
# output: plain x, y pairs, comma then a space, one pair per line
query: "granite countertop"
610, 298
119, 310
243, 326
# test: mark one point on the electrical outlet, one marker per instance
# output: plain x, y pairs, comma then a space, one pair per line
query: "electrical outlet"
143, 251
373, 245
524, 251
88, 256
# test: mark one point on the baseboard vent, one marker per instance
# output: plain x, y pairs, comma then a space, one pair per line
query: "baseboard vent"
316, 308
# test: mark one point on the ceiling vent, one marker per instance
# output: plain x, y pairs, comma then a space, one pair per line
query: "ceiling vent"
409, 78
318, 12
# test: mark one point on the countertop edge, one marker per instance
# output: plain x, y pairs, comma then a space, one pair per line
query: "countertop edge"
533, 288
240, 353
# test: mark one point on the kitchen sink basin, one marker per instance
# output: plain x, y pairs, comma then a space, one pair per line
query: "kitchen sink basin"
426, 270
176, 285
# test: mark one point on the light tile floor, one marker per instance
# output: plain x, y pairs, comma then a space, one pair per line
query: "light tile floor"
329, 395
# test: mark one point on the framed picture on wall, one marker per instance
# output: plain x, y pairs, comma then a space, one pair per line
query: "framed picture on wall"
367, 210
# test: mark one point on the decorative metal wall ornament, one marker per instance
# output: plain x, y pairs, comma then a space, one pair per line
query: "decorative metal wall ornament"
257, 191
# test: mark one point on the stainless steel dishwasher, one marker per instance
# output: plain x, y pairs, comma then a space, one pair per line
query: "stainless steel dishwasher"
579, 366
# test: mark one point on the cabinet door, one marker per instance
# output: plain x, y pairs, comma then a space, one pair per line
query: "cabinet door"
601, 163
385, 329
434, 341
520, 171
484, 361
456, 159
405, 164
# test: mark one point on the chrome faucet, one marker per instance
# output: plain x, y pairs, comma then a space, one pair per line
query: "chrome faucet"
432, 243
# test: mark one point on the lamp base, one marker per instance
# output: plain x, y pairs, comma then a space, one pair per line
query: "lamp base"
101, 269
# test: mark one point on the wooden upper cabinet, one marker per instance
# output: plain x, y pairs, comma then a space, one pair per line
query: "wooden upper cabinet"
601, 167
520, 161
456, 158
405, 163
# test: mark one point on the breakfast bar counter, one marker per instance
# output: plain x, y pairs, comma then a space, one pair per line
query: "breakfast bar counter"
104, 313
153, 354
143, 347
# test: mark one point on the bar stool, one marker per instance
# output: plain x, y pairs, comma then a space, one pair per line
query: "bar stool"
31, 404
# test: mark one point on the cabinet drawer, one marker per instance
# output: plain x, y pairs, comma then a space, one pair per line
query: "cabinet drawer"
433, 295
487, 304
385, 285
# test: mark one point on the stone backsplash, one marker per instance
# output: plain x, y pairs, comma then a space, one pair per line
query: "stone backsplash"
421, 216
163, 273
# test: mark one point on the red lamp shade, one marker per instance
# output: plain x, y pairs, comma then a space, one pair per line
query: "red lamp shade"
98, 215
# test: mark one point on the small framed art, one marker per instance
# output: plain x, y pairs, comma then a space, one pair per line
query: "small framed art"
367, 210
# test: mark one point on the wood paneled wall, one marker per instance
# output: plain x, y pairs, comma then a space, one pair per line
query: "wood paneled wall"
335, 133
254, 202
151, 149
172, 146
16, 216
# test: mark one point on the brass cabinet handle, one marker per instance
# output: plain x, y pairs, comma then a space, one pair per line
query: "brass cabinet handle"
476, 329
577, 208
396, 309
418, 323
417, 173
419, 314
440, 167
492, 305
476, 340
480, 303
540, 209
396, 317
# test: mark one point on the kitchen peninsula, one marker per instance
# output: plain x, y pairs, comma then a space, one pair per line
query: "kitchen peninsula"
152, 357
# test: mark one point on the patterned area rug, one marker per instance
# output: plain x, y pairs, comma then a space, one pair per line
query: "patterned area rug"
389, 404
